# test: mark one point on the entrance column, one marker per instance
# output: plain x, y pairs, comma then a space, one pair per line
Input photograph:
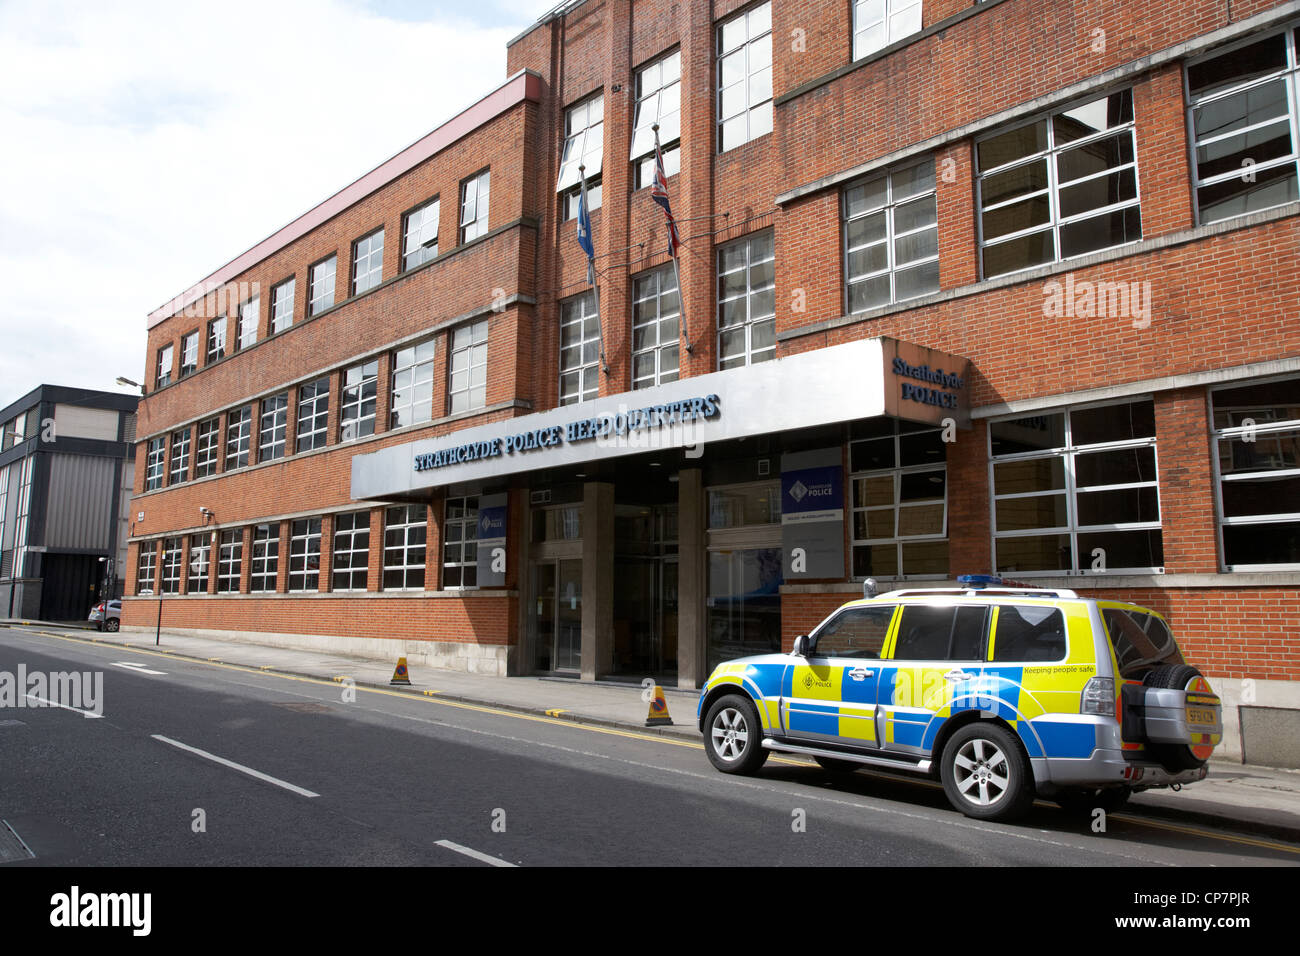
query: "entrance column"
597, 579
691, 557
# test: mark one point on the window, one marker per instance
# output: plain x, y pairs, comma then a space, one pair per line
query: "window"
468, 368
200, 564
656, 333
357, 411
474, 207
148, 562
282, 305
164, 371
404, 538
420, 237
745, 506
1061, 186
1257, 465
189, 354
170, 579
1243, 113
230, 559
313, 414
273, 427
205, 448
155, 462
878, 23
320, 288
891, 237
745, 78
857, 632
584, 145
21, 513
658, 100
250, 315
929, 632
1077, 491
1029, 633
899, 479
239, 433
460, 544
747, 301
579, 349
180, 464
368, 262
266, 558
412, 399
304, 555
572, 197
351, 551
216, 339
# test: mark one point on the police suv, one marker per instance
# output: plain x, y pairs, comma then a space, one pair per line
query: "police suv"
1002, 692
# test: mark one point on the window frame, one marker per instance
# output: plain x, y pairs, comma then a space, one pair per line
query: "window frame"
748, 295
373, 276
475, 228
189, 361
207, 447
314, 294
282, 315
155, 463
164, 366
217, 339
303, 579
472, 348
148, 550
420, 363
660, 375
265, 558
890, 14
250, 318
583, 342
360, 521
230, 560
200, 555
169, 568
178, 459
364, 423
467, 534
643, 160
311, 430
242, 438
892, 235
411, 574
720, 54
273, 427
427, 250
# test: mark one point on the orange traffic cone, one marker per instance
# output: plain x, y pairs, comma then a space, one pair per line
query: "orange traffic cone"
658, 716
400, 676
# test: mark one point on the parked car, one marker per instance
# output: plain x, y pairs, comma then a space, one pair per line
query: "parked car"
114, 616
1002, 693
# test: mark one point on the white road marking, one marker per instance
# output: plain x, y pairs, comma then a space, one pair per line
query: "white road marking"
236, 766
456, 847
89, 715
138, 668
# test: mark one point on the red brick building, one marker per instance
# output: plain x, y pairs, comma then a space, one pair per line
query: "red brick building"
1004, 287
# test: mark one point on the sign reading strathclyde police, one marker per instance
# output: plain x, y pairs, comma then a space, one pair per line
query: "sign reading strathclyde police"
927, 385
574, 432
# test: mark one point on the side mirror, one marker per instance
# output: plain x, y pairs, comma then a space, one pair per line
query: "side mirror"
800, 646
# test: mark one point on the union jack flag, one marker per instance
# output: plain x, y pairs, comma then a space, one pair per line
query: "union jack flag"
659, 193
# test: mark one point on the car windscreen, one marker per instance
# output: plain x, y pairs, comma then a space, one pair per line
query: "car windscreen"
1141, 640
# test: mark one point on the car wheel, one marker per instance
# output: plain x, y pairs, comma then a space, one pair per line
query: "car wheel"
835, 765
733, 737
113, 624
1173, 757
1086, 800
985, 773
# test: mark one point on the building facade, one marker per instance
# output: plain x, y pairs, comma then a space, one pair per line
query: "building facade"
1000, 287
67, 468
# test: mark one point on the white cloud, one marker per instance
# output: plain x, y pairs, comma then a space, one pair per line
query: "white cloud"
147, 143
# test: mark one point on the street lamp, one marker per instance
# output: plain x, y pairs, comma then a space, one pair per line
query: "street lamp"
123, 380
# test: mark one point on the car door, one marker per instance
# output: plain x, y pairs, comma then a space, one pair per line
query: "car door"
933, 667
830, 696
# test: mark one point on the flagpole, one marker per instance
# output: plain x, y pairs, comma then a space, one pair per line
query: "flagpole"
591, 272
677, 268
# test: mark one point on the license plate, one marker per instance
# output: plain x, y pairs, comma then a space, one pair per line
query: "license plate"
1202, 716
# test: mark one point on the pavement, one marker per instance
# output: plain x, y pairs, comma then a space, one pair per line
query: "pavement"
1241, 797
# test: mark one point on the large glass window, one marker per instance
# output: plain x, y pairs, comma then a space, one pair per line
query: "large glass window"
239, 435
266, 558
145, 569
474, 206
200, 564
230, 559
891, 237
1244, 117
180, 463
357, 407
878, 23
656, 328
899, 475
579, 349
460, 543
420, 235
368, 262
170, 579
282, 305
304, 554
313, 414
320, 287
658, 100
1077, 491
745, 77
274, 427
405, 532
351, 551
1257, 460
155, 464
205, 449
747, 301
412, 398
1061, 186
584, 145
468, 367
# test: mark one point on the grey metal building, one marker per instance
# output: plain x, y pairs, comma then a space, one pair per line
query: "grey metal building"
66, 470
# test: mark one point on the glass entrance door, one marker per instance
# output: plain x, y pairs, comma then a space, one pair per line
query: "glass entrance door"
557, 615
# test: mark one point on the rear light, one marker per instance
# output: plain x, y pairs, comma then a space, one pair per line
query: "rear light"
1098, 697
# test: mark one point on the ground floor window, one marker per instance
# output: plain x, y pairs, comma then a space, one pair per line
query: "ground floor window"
200, 562
266, 557
460, 543
405, 532
230, 558
304, 555
170, 582
145, 570
351, 551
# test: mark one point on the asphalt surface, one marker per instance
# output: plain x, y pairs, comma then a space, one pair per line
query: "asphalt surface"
395, 779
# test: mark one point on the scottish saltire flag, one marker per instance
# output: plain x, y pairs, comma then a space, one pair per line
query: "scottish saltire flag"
659, 193
584, 234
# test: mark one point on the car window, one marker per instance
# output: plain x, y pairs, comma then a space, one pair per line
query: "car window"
1141, 640
854, 632
1029, 633
941, 633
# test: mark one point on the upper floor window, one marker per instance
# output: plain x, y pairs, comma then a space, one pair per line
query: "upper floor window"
320, 285
205, 448
313, 414
155, 464
584, 146
420, 236
216, 339
579, 349
747, 301
745, 77
163, 374
658, 100
189, 354
1061, 186
180, 463
474, 206
250, 315
282, 305
357, 406
239, 436
368, 262
1244, 107
1257, 466
412, 399
274, 427
656, 334
891, 237
468, 367
1077, 491
878, 23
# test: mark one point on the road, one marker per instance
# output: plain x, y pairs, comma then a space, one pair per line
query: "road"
206, 764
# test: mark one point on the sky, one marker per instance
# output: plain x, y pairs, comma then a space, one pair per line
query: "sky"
145, 144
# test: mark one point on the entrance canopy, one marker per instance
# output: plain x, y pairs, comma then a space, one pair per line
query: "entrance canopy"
862, 379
